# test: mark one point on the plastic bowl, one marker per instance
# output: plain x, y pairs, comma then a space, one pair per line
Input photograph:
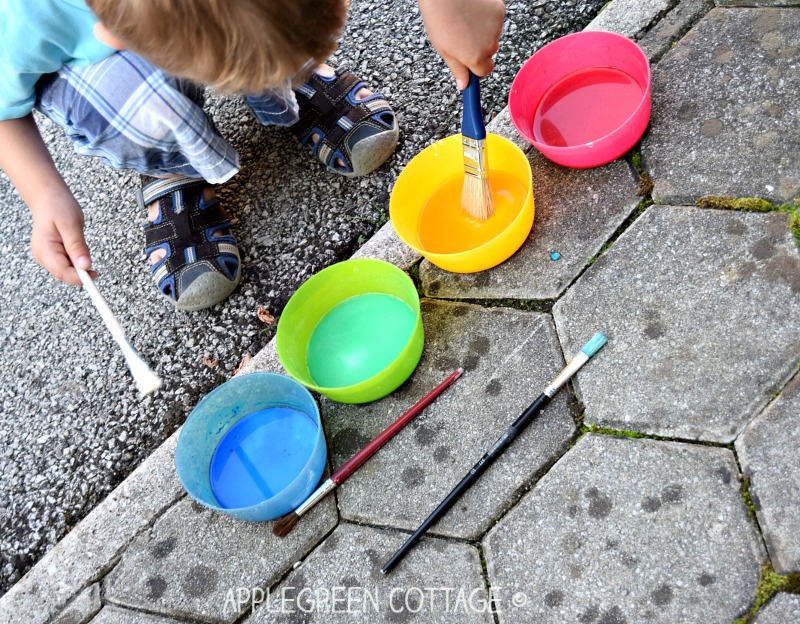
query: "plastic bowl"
425, 206
276, 466
352, 332
583, 100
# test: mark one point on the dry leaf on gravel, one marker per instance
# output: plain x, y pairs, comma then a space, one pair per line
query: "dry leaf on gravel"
210, 361
265, 316
247, 357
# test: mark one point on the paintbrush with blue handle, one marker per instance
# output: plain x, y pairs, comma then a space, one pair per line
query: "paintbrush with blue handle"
505, 440
476, 194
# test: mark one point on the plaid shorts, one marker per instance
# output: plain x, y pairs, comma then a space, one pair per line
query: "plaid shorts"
134, 116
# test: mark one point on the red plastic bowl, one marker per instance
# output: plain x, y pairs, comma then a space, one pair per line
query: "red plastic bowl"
583, 100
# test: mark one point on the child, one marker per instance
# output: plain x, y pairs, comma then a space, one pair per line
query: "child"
126, 90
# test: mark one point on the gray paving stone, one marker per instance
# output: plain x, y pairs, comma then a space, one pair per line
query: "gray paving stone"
509, 357
576, 212
629, 530
265, 361
386, 245
658, 40
782, 609
769, 453
759, 3
700, 308
724, 102
95, 544
341, 581
629, 17
502, 125
115, 615
83, 608
187, 565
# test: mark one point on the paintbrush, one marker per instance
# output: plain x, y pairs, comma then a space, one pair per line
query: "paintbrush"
284, 526
146, 380
510, 434
476, 194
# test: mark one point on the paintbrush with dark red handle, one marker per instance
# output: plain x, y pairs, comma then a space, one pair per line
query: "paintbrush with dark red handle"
284, 526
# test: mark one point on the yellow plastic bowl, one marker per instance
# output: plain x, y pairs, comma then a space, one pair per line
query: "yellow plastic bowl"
425, 206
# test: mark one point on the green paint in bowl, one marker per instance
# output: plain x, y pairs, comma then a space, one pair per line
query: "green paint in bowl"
353, 331
359, 338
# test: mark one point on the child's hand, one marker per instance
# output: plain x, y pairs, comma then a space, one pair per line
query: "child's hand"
465, 33
57, 241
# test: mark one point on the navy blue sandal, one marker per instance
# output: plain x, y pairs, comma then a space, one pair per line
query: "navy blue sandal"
200, 269
351, 136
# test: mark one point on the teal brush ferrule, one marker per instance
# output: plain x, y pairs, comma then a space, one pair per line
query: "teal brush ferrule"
594, 345
574, 365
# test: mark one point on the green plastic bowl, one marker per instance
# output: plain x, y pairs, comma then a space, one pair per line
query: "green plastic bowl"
352, 332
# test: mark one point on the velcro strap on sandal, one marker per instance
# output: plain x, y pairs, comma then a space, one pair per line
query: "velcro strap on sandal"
167, 186
183, 222
329, 105
203, 251
189, 224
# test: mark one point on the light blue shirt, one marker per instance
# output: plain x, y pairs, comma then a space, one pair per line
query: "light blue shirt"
39, 37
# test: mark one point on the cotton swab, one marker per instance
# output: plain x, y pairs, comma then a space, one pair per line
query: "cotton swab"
146, 380
591, 347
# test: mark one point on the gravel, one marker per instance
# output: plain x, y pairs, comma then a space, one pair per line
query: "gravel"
71, 424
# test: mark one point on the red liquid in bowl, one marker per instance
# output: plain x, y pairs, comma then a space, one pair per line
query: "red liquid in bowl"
586, 105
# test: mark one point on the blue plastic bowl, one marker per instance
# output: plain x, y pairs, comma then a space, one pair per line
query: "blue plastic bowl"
221, 410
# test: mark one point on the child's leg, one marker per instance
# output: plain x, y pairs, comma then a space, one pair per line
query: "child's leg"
131, 115
349, 128
277, 107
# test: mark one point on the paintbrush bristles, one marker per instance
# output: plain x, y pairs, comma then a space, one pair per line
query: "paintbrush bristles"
285, 525
476, 194
476, 198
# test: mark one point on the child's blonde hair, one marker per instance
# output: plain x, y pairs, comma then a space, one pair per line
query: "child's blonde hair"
244, 46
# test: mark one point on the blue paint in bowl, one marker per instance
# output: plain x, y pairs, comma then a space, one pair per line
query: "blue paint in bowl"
261, 455
253, 448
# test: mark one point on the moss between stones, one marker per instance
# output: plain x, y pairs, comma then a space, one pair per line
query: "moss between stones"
770, 584
621, 433
636, 159
744, 488
644, 191
576, 409
755, 204
413, 273
638, 212
748, 204
526, 305
645, 182
793, 210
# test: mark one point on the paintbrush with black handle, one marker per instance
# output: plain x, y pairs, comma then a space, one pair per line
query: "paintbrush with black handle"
591, 347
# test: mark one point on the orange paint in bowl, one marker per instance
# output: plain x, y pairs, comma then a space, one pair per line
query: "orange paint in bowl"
442, 213
425, 206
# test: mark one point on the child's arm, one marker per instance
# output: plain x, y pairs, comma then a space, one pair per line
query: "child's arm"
57, 241
465, 33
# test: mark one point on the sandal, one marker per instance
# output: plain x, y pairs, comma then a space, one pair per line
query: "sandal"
200, 269
350, 136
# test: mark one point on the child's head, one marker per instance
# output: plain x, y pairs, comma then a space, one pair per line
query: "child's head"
234, 45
